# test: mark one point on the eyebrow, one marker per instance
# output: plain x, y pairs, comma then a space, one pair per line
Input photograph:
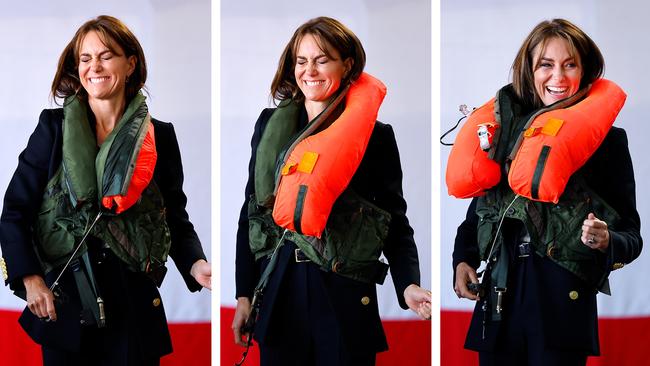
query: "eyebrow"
315, 58
100, 54
550, 59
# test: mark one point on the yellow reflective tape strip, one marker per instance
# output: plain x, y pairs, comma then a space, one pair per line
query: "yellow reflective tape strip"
307, 162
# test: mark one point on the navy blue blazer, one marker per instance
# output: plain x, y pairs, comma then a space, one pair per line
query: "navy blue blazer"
379, 180
36, 166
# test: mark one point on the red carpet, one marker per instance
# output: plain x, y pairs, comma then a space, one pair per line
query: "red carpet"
623, 341
191, 344
409, 343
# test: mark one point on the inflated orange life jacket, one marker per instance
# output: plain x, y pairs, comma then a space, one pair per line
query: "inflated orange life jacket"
320, 167
556, 142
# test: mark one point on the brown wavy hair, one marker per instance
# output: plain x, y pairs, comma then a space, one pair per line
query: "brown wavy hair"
328, 32
112, 33
580, 46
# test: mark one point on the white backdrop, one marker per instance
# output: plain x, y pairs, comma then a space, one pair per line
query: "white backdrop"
479, 40
175, 36
396, 37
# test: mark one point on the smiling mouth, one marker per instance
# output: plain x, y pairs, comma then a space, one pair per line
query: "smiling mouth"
557, 90
313, 83
98, 80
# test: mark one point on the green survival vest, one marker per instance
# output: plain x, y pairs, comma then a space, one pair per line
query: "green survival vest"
356, 229
140, 235
554, 229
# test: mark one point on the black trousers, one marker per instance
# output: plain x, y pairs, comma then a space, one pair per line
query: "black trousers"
304, 328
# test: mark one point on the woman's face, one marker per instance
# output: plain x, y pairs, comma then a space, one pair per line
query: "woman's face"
557, 74
101, 72
317, 75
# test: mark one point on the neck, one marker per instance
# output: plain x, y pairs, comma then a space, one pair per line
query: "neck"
107, 115
314, 108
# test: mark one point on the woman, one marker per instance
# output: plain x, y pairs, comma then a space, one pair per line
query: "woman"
88, 262
548, 260
312, 310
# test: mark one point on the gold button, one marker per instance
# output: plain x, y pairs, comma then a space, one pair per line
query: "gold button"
365, 300
618, 266
3, 267
156, 301
573, 295
550, 252
336, 267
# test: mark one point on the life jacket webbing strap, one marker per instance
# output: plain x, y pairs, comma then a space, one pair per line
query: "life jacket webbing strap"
300, 203
539, 170
87, 294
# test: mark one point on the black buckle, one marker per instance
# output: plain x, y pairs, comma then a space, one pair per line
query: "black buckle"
523, 249
301, 257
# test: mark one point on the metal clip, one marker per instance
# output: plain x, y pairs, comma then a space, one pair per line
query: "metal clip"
102, 313
499, 291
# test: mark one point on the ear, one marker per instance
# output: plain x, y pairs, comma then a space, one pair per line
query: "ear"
348, 63
132, 60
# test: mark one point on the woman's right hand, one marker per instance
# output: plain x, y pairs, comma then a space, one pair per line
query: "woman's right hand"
40, 300
465, 274
242, 312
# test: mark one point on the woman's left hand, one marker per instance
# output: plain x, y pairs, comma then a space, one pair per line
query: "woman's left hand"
595, 234
202, 273
418, 300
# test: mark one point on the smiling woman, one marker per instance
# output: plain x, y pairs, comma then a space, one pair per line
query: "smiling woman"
545, 257
95, 207
318, 287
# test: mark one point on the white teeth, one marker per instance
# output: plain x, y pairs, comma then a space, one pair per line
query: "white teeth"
556, 89
98, 80
313, 83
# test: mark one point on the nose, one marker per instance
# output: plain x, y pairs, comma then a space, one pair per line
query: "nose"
558, 72
95, 64
311, 68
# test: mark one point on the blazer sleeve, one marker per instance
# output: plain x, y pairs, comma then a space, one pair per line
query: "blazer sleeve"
246, 271
466, 244
186, 246
23, 198
399, 247
611, 176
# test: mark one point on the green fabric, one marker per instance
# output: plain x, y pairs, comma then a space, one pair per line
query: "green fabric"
555, 229
139, 236
284, 122
114, 165
351, 244
78, 162
356, 229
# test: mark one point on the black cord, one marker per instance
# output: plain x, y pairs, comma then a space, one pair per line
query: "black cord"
249, 341
449, 131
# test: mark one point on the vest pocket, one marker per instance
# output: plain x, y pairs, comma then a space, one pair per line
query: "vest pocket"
55, 232
488, 214
357, 229
261, 229
565, 226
